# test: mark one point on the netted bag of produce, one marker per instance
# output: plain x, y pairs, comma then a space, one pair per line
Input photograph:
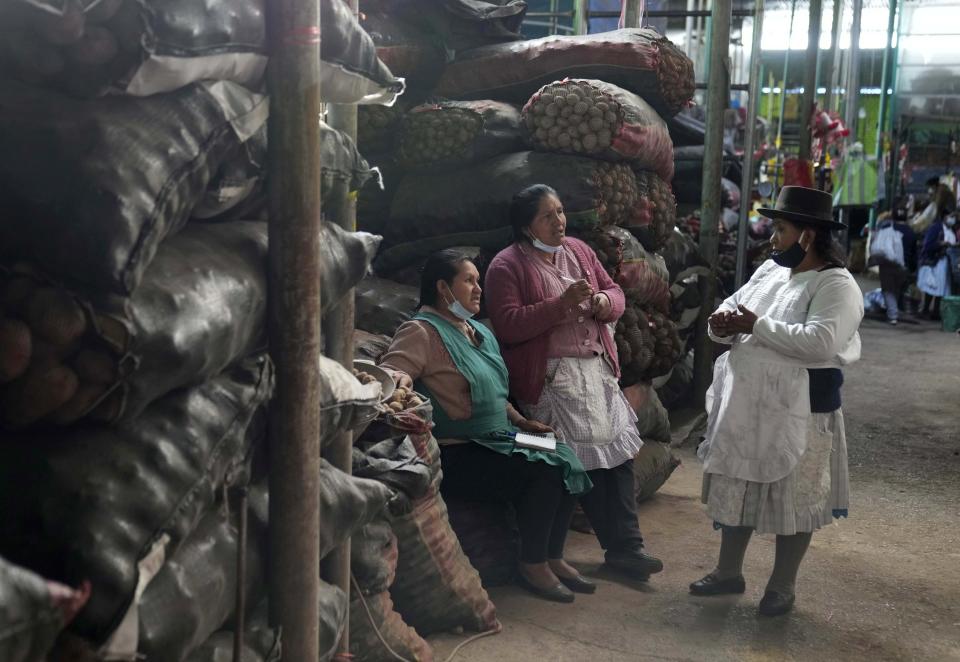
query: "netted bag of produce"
134, 492
600, 120
653, 421
30, 618
92, 188
654, 217
374, 567
455, 133
634, 340
667, 347
436, 589
652, 467
377, 127
488, 534
147, 47
477, 198
194, 594
638, 60
382, 305
608, 247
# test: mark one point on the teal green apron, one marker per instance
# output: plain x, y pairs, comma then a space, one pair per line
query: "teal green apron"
485, 371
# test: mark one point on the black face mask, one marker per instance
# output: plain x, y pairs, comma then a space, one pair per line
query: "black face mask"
790, 258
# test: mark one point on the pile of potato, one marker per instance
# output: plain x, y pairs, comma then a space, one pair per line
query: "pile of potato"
403, 399
635, 343
618, 191
431, 136
572, 117
675, 75
48, 370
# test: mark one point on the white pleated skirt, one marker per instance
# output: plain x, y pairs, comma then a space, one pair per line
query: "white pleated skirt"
816, 492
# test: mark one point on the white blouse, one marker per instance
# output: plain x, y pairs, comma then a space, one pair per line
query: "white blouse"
759, 402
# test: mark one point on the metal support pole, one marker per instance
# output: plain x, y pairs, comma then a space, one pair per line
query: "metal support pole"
810, 79
631, 17
718, 97
783, 84
688, 44
338, 327
885, 82
749, 139
852, 106
581, 24
830, 62
293, 81
698, 52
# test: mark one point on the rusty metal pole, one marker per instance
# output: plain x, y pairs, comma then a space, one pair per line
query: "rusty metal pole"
718, 98
632, 15
338, 326
830, 62
810, 79
293, 80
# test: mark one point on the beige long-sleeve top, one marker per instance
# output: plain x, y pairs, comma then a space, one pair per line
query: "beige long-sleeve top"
418, 351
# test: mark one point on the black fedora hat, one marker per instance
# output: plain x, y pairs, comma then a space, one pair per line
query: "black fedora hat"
804, 205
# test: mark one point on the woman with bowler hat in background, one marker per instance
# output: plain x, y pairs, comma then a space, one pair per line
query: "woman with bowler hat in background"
775, 455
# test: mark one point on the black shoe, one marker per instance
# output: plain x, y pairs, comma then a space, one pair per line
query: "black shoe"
635, 565
712, 585
578, 584
776, 604
558, 593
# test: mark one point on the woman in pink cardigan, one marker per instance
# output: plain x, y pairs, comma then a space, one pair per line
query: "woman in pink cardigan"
551, 302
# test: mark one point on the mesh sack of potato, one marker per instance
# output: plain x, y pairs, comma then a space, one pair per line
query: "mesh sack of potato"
639, 60
600, 120
634, 340
608, 248
377, 126
477, 198
646, 285
667, 347
654, 217
633, 251
453, 133
147, 47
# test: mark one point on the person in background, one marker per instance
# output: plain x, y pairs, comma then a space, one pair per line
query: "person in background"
455, 361
775, 454
887, 251
933, 277
551, 304
941, 201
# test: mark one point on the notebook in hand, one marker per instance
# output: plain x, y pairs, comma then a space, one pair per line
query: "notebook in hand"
537, 442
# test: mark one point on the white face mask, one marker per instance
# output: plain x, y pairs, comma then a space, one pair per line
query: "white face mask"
951, 221
458, 309
546, 248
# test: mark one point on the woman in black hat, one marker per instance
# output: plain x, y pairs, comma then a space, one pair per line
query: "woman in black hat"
775, 455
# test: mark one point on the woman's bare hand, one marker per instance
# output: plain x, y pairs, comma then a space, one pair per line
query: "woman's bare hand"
720, 324
578, 293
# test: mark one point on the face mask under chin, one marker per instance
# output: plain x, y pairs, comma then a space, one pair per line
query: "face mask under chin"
790, 258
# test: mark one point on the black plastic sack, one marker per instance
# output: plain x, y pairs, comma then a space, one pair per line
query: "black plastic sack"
461, 24
477, 198
639, 60
382, 305
146, 47
488, 534
341, 162
688, 173
194, 594
369, 346
373, 201
345, 404
415, 253
261, 643
373, 557
407, 49
29, 622
680, 253
395, 463
456, 133
90, 189
652, 467
348, 503
90, 503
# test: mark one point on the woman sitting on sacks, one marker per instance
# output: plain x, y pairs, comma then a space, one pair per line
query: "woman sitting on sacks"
775, 455
551, 302
456, 362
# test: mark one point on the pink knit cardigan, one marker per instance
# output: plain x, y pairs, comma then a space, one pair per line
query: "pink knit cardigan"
522, 317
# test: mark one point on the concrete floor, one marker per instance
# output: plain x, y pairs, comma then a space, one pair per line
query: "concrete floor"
882, 585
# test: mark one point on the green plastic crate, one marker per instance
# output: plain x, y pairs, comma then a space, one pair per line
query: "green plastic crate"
950, 313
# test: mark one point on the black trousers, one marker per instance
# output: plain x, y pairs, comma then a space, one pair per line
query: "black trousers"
544, 507
611, 508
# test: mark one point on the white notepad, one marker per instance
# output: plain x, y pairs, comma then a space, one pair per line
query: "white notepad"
537, 442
